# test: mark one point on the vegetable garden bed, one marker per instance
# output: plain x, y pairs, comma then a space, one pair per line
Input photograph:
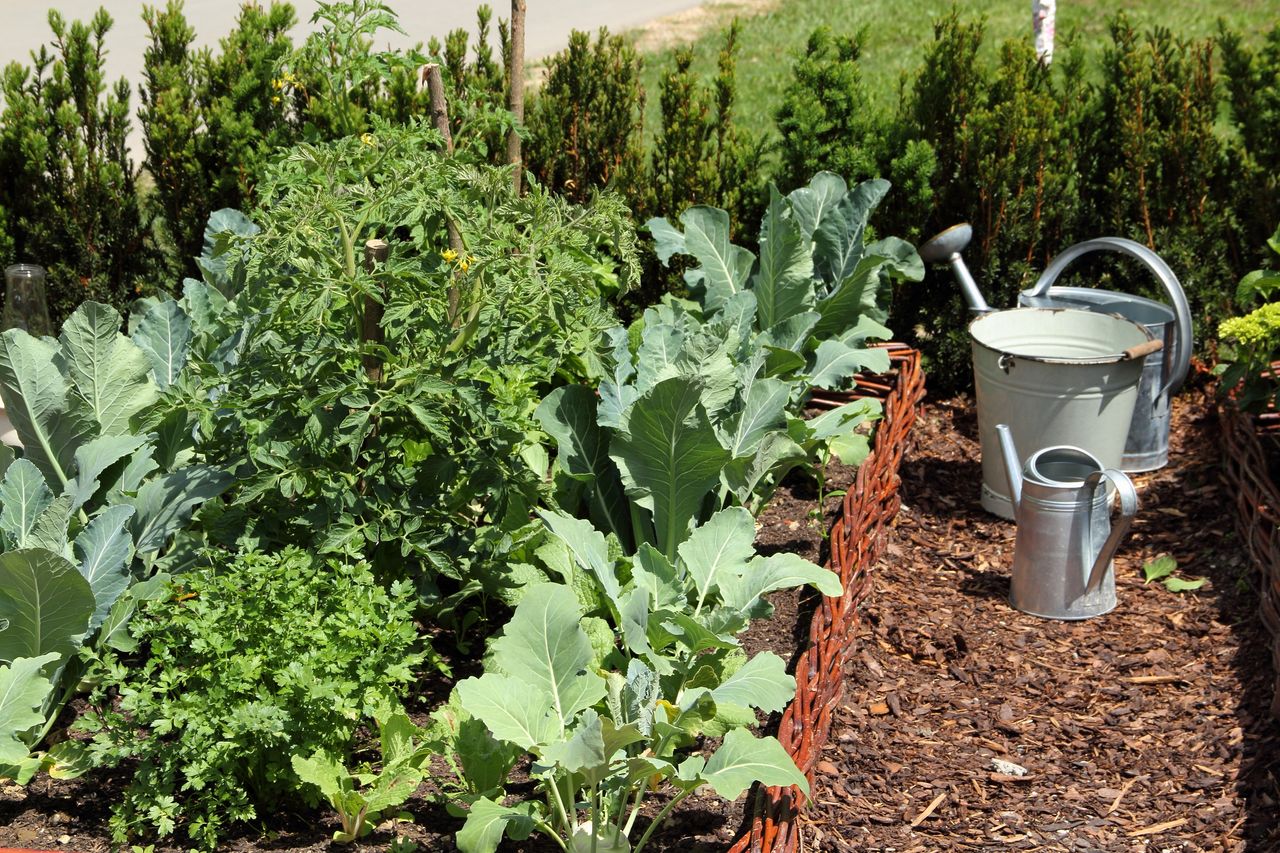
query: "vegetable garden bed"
857, 540
72, 814
1250, 469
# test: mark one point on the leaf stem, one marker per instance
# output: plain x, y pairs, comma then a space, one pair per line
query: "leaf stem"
595, 816
662, 815
554, 783
549, 830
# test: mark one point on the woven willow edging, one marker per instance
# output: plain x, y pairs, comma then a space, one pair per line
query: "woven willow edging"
1257, 515
857, 540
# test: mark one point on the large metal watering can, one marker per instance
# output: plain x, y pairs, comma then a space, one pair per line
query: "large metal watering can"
1063, 557
1146, 446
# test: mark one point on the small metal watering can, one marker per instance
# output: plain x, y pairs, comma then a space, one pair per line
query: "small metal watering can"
1060, 571
1146, 446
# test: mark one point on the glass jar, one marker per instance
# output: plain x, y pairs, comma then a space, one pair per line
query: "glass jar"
25, 306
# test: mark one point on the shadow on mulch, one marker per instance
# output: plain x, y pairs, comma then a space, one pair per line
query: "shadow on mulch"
1145, 729
985, 584
1260, 733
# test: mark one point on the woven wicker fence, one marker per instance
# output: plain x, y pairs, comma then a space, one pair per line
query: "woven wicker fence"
1247, 470
857, 540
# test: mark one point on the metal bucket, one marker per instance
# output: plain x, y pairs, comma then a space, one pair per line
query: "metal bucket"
1147, 443
1055, 376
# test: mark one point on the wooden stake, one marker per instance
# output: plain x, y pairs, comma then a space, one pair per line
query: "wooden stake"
439, 106
440, 117
375, 252
516, 73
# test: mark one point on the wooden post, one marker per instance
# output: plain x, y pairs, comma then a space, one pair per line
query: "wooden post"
440, 117
375, 253
439, 106
516, 73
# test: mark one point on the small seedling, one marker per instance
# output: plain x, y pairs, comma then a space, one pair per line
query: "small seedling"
1162, 569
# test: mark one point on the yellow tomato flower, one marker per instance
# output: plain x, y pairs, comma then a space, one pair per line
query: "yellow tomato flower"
368, 139
449, 255
464, 265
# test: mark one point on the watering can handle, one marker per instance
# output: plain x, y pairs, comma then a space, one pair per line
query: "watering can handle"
1128, 508
1181, 356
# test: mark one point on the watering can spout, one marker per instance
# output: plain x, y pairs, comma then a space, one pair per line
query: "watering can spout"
1012, 467
945, 248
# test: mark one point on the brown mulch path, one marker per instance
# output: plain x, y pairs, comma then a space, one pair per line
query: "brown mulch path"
1145, 729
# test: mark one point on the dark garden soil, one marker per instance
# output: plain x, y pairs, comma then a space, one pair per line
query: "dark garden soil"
1145, 729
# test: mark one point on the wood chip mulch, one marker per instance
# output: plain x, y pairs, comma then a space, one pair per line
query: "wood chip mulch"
970, 726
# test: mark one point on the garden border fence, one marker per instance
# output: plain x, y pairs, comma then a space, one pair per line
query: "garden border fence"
1257, 516
857, 541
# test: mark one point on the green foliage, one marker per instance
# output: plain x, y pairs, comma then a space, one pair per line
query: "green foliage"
695, 410
1153, 166
209, 120
1162, 569
361, 798
1004, 141
1253, 96
701, 155
691, 421
338, 80
67, 185
605, 729
404, 446
586, 123
827, 120
247, 664
476, 90
1251, 343
246, 113
88, 509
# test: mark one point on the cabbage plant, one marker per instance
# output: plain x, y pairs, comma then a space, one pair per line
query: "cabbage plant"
88, 507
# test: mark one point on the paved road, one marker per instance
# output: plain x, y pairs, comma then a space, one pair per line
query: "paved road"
547, 25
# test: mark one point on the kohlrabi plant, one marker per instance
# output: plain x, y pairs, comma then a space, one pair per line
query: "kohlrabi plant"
88, 509
363, 796
819, 288
610, 679
693, 416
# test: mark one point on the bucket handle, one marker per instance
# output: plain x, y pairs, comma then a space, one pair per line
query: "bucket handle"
1175, 367
1128, 509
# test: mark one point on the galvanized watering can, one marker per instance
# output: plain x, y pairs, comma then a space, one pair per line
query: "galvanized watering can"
1054, 376
1063, 556
1147, 441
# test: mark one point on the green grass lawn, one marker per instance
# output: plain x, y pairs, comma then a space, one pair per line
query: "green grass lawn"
898, 30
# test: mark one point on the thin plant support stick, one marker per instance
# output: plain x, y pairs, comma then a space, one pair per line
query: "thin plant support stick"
516, 103
439, 106
440, 117
375, 253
